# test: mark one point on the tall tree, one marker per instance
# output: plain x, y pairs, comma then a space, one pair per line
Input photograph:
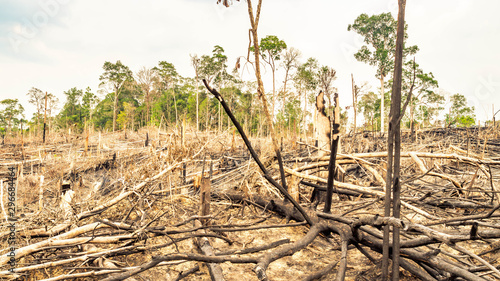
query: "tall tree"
379, 32
71, 114
12, 112
290, 61
146, 78
306, 81
326, 76
393, 185
424, 101
167, 79
271, 48
37, 98
214, 69
368, 106
460, 115
115, 75
195, 62
90, 101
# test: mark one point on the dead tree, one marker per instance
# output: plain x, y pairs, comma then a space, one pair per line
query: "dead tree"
393, 155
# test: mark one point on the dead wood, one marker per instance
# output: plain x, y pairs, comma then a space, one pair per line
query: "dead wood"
141, 226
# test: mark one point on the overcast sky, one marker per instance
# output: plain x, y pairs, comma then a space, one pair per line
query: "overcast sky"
55, 45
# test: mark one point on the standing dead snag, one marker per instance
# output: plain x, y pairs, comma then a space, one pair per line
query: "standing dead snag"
323, 126
333, 155
204, 198
393, 155
203, 243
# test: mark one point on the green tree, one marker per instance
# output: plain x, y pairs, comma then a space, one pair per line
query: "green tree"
126, 117
460, 114
425, 103
71, 113
195, 62
367, 105
214, 69
115, 75
167, 80
306, 81
90, 101
12, 113
271, 48
379, 32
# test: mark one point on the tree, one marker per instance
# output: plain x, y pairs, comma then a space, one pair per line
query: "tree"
115, 75
460, 114
357, 92
167, 79
37, 98
306, 81
213, 69
146, 78
126, 117
71, 114
326, 76
424, 101
12, 112
368, 105
290, 61
90, 101
271, 48
379, 32
195, 62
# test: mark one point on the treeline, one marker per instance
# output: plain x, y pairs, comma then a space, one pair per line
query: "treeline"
158, 95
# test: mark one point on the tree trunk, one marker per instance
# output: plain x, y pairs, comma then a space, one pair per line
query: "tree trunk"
45, 117
260, 89
197, 110
354, 102
176, 113
147, 107
304, 121
206, 121
393, 156
274, 89
115, 107
412, 119
382, 101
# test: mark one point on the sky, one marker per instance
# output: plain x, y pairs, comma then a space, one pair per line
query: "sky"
55, 45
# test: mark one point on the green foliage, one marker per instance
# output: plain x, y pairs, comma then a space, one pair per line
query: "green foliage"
72, 113
291, 113
213, 68
306, 79
126, 117
115, 75
89, 103
11, 114
271, 47
460, 114
426, 103
369, 105
379, 32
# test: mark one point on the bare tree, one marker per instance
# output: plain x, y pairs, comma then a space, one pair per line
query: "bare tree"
37, 98
146, 78
357, 92
290, 61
